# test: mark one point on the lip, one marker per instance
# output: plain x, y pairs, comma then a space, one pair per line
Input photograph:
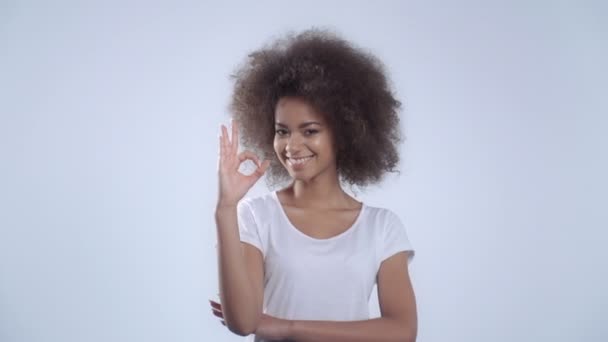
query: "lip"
299, 166
298, 157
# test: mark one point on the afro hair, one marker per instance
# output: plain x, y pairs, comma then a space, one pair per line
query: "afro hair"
342, 82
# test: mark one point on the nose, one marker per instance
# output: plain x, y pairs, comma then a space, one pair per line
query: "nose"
294, 144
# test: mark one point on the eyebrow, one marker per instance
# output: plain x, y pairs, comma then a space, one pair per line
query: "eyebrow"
302, 125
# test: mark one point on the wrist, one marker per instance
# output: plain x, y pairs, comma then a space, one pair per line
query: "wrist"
225, 206
227, 201
291, 328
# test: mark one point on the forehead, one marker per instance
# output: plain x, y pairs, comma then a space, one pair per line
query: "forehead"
293, 110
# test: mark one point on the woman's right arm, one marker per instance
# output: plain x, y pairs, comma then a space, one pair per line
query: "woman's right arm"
240, 275
239, 264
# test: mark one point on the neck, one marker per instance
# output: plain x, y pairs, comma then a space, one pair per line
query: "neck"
318, 193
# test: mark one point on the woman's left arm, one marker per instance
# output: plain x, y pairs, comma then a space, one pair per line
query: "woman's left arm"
399, 321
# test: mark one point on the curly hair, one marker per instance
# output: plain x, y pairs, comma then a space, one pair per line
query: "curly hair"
347, 85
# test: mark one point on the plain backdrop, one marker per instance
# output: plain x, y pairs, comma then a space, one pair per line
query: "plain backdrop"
110, 112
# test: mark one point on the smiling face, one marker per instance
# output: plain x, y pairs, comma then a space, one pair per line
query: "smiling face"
303, 140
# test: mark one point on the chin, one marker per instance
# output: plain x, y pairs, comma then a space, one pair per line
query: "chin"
306, 177
298, 175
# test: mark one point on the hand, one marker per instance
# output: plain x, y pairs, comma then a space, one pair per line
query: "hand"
233, 185
269, 328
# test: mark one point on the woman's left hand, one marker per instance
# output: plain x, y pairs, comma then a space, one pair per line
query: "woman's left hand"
270, 328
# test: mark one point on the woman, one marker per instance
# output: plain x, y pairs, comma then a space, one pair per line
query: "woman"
300, 263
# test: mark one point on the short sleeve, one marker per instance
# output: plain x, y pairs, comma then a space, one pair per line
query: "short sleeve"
394, 238
248, 228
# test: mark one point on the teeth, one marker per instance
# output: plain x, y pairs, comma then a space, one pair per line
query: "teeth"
298, 161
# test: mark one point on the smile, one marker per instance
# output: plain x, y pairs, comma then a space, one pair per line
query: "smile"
298, 161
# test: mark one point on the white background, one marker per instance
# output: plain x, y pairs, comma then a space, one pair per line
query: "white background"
108, 142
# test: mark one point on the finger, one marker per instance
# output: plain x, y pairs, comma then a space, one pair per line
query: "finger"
215, 304
262, 168
221, 148
223, 139
227, 146
218, 314
265, 165
248, 155
235, 135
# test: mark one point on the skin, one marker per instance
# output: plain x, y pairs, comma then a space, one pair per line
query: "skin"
313, 199
240, 267
301, 131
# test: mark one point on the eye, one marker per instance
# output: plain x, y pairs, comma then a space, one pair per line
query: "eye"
311, 131
280, 132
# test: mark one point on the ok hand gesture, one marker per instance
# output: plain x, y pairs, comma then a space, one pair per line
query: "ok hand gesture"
233, 185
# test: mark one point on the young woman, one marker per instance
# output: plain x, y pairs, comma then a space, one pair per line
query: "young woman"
299, 263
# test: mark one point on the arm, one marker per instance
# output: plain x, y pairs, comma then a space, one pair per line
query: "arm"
382, 329
239, 293
240, 267
397, 305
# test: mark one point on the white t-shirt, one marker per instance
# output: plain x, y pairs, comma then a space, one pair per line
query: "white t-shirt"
319, 279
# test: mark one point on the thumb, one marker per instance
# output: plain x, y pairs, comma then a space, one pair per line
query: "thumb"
262, 168
265, 165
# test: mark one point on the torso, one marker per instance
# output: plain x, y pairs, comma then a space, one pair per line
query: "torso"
320, 223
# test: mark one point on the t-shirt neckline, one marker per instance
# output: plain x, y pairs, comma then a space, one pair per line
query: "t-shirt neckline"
299, 232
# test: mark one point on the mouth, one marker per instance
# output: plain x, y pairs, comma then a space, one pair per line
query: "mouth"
299, 162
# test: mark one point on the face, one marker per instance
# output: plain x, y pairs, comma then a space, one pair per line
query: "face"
303, 140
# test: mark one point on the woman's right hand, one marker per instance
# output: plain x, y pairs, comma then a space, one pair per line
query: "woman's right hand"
233, 185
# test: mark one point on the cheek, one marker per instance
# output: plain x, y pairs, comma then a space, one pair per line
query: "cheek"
322, 144
277, 146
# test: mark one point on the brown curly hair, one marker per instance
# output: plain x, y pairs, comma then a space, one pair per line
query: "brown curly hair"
345, 84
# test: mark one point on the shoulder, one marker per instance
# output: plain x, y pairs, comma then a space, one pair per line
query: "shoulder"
382, 216
383, 224
258, 204
391, 235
